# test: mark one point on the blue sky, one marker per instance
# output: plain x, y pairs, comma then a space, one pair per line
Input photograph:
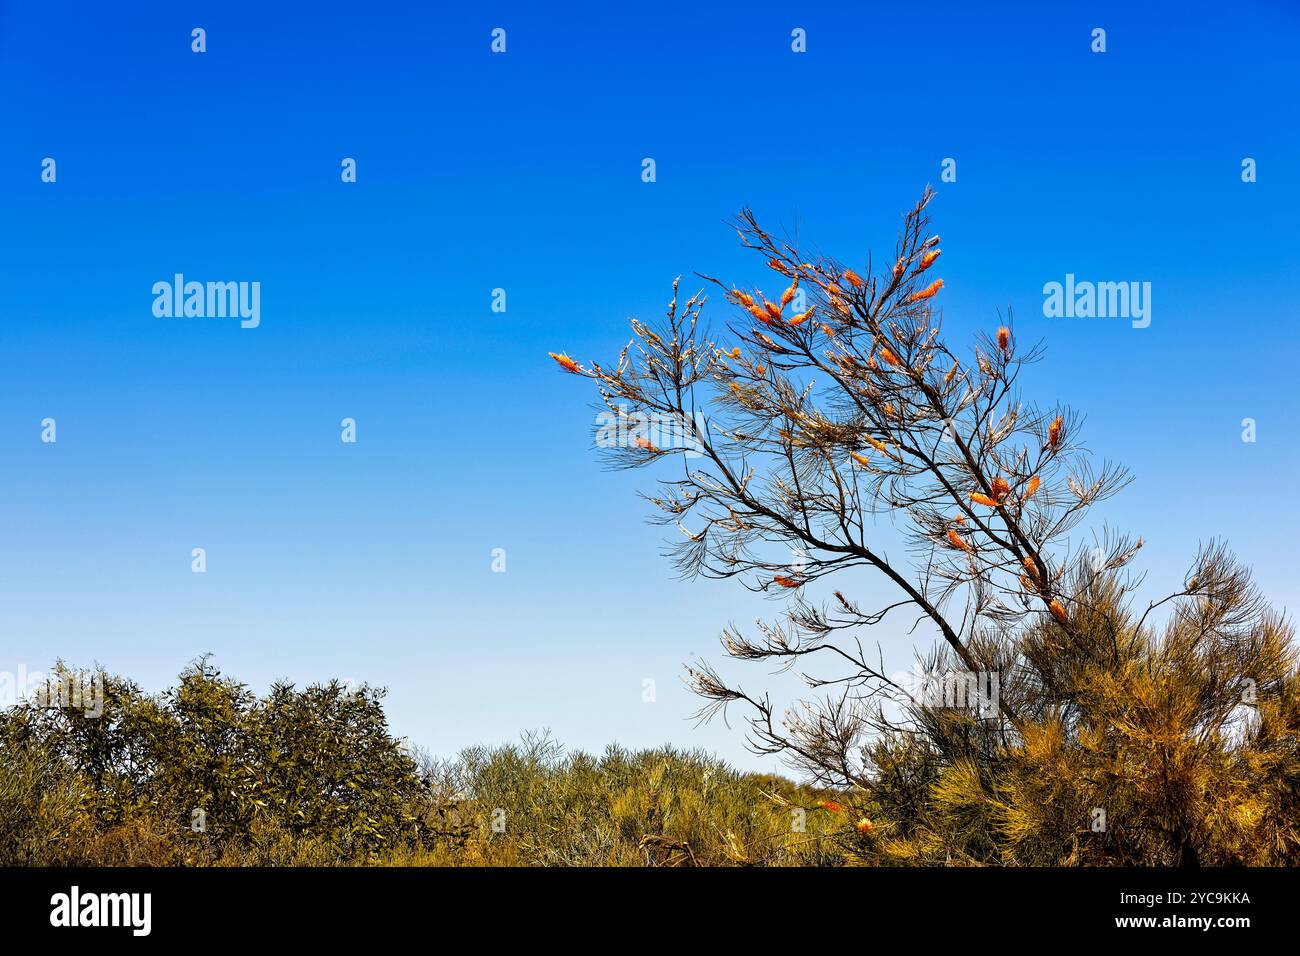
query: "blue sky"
522, 171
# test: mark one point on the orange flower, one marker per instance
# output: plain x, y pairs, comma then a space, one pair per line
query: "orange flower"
566, 363
1000, 488
863, 825
927, 292
927, 260
1031, 488
952, 372
734, 353
889, 356
877, 444
1058, 612
773, 309
853, 278
899, 266
644, 444
862, 460
982, 499
760, 369
758, 312
788, 294
958, 541
744, 298
786, 582
831, 805
802, 317
1055, 432
1004, 340
777, 266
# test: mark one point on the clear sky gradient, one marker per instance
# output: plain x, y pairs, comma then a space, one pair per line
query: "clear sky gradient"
523, 171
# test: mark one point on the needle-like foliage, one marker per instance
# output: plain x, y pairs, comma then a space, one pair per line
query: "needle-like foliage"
834, 415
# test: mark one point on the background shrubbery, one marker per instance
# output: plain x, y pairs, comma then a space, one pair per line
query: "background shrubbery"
313, 777
1159, 740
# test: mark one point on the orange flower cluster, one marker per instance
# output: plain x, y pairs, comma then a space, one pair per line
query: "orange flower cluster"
863, 826
566, 363
853, 278
1034, 482
831, 805
958, 542
754, 309
1055, 433
927, 292
927, 260
999, 489
1058, 612
1004, 340
786, 582
768, 312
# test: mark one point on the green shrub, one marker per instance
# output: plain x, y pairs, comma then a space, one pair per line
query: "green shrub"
208, 769
312, 777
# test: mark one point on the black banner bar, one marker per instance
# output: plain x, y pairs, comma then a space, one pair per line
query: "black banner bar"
329, 905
